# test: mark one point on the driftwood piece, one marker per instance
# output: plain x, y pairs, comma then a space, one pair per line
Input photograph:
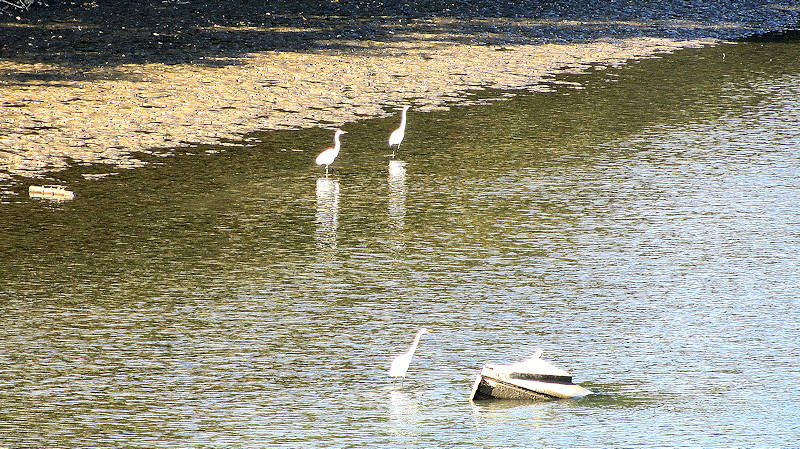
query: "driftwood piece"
59, 193
19, 4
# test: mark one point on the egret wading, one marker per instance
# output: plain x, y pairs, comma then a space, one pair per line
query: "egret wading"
400, 363
396, 138
327, 157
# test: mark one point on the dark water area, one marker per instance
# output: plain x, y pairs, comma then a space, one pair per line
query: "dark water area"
643, 230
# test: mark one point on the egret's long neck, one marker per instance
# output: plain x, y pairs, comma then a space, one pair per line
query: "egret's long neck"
414, 344
403, 120
336, 143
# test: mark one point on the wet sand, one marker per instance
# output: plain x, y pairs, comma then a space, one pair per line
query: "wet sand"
57, 110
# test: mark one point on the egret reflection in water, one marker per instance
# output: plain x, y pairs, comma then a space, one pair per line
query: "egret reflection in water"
397, 193
404, 413
327, 217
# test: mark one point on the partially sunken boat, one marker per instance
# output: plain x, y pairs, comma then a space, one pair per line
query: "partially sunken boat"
532, 378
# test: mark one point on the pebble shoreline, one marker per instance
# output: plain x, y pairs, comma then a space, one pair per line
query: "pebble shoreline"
54, 113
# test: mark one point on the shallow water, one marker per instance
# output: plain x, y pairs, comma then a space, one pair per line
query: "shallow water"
643, 231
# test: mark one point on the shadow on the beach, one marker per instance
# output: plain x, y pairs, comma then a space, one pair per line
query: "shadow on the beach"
84, 35
776, 36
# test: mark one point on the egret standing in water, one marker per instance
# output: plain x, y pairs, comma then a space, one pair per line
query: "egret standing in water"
327, 157
396, 138
400, 363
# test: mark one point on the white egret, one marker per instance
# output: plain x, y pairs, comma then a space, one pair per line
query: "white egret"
396, 138
400, 363
327, 157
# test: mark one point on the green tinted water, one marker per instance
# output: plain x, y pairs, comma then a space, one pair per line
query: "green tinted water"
643, 231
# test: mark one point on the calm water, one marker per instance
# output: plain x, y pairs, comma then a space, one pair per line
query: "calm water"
644, 231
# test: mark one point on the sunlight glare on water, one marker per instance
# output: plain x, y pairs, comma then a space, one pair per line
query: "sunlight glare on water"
643, 231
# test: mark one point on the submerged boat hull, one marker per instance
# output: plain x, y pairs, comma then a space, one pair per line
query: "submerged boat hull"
489, 388
498, 382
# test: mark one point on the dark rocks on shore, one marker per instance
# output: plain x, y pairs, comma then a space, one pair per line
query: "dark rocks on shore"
178, 31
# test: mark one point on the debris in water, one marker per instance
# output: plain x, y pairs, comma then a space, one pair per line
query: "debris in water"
532, 378
53, 192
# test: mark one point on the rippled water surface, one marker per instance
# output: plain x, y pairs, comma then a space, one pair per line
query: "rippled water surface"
644, 231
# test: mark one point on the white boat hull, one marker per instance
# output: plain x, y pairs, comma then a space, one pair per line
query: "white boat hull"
543, 382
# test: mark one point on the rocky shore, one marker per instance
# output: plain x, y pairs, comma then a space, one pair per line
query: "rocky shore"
102, 82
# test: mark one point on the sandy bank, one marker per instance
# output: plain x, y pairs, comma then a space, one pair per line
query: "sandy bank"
55, 112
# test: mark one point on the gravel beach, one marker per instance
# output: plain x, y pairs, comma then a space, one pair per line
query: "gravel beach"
103, 82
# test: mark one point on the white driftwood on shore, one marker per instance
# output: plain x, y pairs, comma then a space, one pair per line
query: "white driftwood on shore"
51, 192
